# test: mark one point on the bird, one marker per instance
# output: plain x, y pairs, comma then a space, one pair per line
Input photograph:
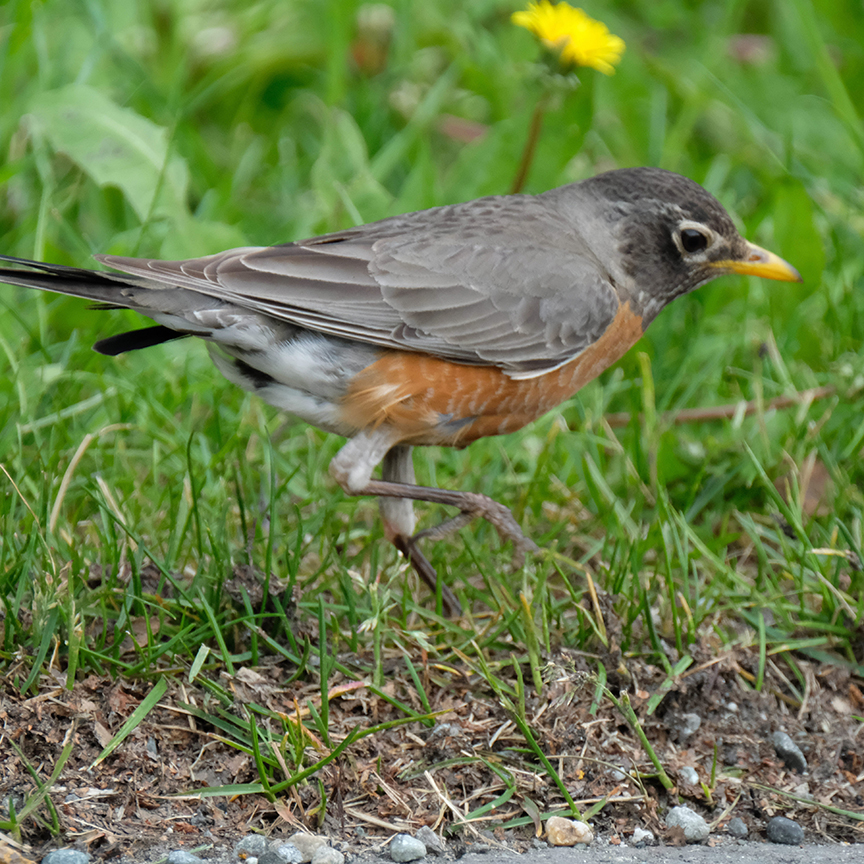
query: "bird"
438, 327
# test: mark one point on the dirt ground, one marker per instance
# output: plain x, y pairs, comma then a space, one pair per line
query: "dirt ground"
414, 775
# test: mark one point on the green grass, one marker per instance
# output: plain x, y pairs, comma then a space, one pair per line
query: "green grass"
252, 124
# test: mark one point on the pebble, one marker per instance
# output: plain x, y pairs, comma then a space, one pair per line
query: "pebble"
688, 775
695, 828
289, 853
182, 856
737, 827
270, 857
66, 856
444, 730
785, 831
803, 789
688, 724
641, 837
789, 752
307, 844
328, 855
567, 832
251, 845
403, 847
430, 840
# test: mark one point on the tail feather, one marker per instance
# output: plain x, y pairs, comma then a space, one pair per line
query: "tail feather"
108, 290
75, 281
134, 340
114, 291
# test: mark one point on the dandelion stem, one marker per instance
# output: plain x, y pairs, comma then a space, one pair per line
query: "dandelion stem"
530, 143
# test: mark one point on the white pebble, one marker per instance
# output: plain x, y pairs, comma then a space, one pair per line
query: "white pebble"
567, 832
688, 775
289, 853
695, 828
328, 855
306, 844
641, 837
404, 847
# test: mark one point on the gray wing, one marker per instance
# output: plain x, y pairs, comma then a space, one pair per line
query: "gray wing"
496, 281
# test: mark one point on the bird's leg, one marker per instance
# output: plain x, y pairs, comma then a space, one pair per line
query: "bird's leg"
397, 515
352, 467
472, 505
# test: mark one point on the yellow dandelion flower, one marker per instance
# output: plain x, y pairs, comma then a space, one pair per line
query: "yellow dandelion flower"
579, 39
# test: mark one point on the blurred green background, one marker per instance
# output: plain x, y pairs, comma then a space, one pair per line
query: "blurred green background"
176, 129
260, 123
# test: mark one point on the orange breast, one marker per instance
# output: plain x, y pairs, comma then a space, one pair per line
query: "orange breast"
434, 401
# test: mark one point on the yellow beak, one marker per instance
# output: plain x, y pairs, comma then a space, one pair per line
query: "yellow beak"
760, 262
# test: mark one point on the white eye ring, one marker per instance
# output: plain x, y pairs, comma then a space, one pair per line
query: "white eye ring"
693, 239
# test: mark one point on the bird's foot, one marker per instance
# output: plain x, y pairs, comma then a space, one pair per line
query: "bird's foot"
475, 504
471, 505
409, 548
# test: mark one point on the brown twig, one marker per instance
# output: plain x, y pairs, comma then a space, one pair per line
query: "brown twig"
727, 412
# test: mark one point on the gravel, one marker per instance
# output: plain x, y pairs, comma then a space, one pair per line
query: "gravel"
737, 827
642, 838
404, 847
695, 828
66, 856
252, 845
789, 752
430, 840
784, 831
181, 856
688, 775
289, 853
328, 855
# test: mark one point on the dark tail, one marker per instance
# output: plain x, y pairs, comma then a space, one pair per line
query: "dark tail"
92, 284
109, 290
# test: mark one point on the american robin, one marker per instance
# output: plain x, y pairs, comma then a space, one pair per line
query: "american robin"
436, 327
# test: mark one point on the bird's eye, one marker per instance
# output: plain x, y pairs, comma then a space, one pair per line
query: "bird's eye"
693, 240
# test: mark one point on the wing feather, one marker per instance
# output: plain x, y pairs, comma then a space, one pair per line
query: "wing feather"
504, 281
